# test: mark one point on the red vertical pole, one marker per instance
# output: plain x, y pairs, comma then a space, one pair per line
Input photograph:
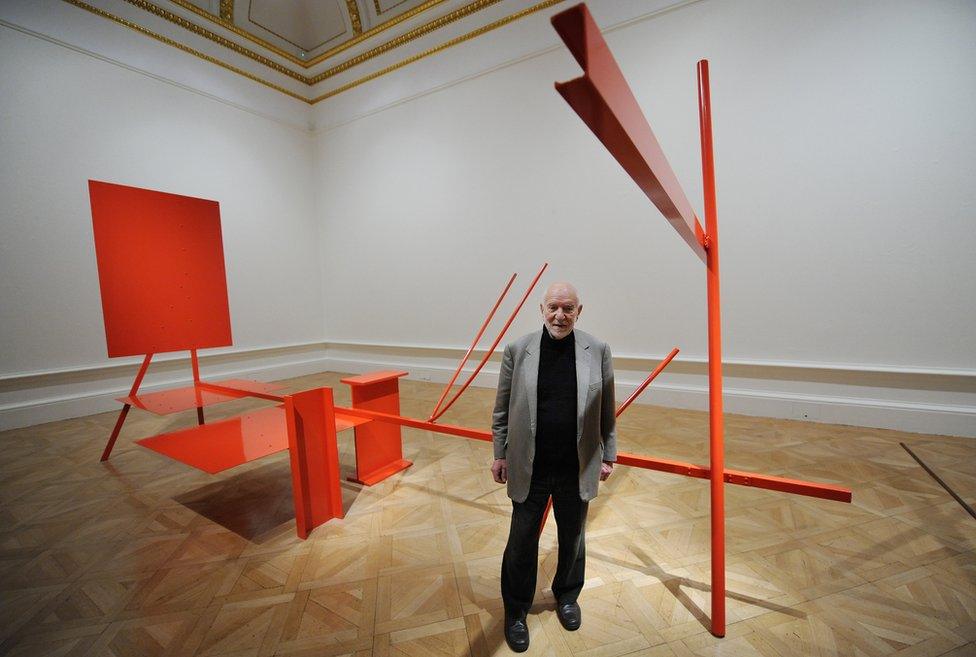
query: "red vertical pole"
125, 409
195, 364
716, 447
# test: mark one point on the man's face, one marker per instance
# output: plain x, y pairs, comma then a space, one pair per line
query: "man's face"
560, 310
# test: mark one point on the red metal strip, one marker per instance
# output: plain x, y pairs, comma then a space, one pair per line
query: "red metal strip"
125, 408
239, 392
449, 429
716, 428
494, 344
738, 477
605, 103
647, 381
474, 343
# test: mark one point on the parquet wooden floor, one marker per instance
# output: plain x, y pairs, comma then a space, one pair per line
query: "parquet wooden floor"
145, 556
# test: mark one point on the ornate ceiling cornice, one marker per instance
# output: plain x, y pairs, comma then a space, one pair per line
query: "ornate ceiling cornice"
224, 21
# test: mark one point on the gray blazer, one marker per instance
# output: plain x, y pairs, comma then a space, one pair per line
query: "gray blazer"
513, 422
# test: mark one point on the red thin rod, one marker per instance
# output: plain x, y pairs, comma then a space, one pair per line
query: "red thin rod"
473, 344
494, 344
125, 409
716, 446
450, 429
195, 365
216, 387
738, 477
647, 381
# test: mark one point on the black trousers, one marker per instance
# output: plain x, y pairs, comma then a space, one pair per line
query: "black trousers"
520, 563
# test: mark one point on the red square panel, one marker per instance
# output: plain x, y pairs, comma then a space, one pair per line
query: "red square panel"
161, 270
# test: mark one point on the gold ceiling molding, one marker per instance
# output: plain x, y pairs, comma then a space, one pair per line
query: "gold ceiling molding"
382, 27
406, 37
176, 19
357, 23
545, 4
176, 44
227, 10
436, 49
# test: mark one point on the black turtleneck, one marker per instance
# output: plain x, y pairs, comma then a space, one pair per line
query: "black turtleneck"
555, 436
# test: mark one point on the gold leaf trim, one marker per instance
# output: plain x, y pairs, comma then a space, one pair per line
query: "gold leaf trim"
436, 49
227, 10
396, 20
357, 23
180, 46
355, 83
406, 37
145, 5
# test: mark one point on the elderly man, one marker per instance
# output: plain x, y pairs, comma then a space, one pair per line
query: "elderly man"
554, 434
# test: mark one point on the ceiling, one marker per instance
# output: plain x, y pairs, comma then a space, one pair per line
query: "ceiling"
312, 49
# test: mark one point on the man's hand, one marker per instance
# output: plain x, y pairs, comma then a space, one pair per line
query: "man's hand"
606, 469
499, 471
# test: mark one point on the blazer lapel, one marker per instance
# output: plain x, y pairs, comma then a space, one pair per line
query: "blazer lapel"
530, 370
582, 381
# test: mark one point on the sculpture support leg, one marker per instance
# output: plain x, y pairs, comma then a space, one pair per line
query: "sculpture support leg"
379, 446
314, 458
125, 409
716, 442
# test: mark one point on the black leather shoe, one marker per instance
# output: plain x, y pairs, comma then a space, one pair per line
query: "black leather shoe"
516, 633
569, 615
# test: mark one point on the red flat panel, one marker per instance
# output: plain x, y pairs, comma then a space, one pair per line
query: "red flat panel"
223, 445
161, 270
176, 400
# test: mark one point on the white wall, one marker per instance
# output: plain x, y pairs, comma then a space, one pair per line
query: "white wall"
844, 146
68, 117
844, 142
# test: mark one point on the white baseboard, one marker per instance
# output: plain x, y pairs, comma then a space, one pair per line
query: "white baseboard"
941, 402
36, 398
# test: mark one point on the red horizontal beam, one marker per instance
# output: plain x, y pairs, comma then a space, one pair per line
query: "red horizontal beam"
240, 392
450, 429
738, 477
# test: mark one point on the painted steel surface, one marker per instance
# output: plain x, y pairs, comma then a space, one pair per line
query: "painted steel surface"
379, 447
176, 400
603, 100
474, 343
493, 346
314, 455
160, 269
222, 445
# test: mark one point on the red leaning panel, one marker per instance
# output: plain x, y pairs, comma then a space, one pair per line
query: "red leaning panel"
161, 270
